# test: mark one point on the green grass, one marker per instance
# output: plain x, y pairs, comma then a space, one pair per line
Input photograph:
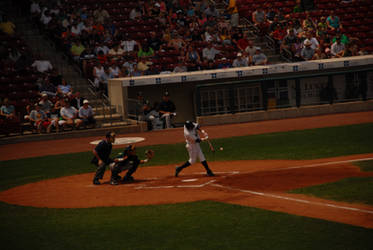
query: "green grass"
306, 144
354, 190
366, 166
199, 225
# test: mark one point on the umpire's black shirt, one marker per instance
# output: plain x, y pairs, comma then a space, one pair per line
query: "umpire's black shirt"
103, 150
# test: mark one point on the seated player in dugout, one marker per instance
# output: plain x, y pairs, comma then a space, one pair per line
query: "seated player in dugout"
167, 110
127, 160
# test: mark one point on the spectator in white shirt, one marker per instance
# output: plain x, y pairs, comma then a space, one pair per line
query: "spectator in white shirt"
337, 48
42, 66
70, 115
313, 40
86, 114
209, 53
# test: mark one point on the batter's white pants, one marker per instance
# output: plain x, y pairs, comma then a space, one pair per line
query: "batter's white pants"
195, 152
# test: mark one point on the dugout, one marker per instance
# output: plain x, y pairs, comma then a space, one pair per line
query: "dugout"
255, 93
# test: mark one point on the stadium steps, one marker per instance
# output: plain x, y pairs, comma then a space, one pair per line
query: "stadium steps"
42, 46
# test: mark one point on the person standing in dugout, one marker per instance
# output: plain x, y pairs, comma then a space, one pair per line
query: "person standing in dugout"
193, 141
102, 156
127, 160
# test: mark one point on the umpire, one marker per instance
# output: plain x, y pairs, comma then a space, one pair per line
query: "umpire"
102, 156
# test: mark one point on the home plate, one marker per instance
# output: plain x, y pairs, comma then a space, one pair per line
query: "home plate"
189, 180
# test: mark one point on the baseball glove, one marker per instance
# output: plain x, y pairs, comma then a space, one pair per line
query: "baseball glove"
149, 154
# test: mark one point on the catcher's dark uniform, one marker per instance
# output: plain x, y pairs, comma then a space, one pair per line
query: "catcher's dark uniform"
131, 163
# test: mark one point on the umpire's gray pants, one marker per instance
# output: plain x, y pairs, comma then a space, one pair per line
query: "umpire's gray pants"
100, 171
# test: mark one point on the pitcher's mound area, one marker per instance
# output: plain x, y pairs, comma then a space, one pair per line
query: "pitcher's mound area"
261, 184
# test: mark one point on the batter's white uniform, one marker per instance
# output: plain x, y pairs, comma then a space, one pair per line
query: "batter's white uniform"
194, 148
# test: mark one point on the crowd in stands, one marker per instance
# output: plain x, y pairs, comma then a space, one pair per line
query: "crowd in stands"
133, 38
31, 91
318, 33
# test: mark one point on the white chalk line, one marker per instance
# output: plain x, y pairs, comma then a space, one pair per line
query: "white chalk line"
176, 186
294, 199
326, 163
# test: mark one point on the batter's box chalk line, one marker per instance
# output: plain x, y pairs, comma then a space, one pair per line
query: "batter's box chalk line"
176, 186
294, 199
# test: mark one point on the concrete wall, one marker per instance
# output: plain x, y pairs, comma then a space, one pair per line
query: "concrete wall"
286, 113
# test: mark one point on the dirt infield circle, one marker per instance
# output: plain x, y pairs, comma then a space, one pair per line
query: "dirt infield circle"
262, 184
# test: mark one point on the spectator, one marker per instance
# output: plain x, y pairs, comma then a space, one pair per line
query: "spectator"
64, 88
337, 48
310, 38
145, 51
180, 67
46, 105
8, 119
100, 14
77, 101
41, 121
259, 20
233, 11
225, 37
86, 114
209, 53
135, 13
143, 64
333, 21
211, 11
289, 41
243, 42
307, 52
192, 55
114, 70
224, 64
7, 110
319, 54
70, 115
167, 110
42, 66
154, 42
76, 49
250, 49
278, 35
116, 51
47, 87
259, 58
128, 45
240, 61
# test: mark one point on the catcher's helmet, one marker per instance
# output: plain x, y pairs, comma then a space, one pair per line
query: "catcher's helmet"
189, 125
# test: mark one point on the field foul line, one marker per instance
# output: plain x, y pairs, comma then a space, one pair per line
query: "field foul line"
295, 199
177, 186
326, 163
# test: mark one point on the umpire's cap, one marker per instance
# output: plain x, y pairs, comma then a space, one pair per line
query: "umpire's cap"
110, 134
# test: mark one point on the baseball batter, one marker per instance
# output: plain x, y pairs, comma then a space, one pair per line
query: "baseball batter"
193, 141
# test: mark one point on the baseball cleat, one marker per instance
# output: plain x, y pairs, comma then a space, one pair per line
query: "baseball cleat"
128, 178
177, 171
210, 173
96, 182
114, 182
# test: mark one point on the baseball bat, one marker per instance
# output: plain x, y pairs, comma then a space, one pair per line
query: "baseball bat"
210, 145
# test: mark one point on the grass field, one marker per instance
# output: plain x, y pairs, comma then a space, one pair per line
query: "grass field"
354, 190
198, 225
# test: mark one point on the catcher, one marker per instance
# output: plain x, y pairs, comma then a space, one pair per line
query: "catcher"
128, 160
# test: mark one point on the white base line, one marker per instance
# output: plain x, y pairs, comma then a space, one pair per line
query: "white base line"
294, 199
177, 186
327, 163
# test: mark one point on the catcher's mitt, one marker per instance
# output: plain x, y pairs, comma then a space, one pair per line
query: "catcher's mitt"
149, 154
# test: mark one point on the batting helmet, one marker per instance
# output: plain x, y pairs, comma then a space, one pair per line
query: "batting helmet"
189, 125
